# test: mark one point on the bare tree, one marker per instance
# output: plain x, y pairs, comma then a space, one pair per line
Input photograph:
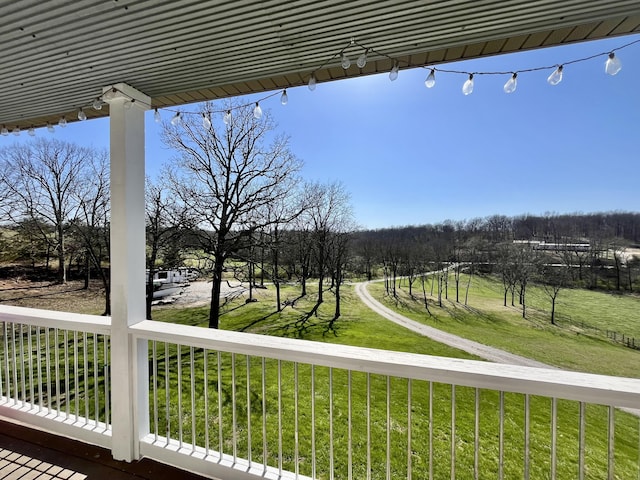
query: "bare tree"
225, 174
554, 279
43, 180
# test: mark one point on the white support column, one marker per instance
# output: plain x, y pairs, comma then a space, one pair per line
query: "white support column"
129, 370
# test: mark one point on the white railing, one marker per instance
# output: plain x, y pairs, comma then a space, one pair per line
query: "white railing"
233, 405
54, 371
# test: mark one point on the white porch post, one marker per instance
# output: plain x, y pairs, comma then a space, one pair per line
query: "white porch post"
129, 371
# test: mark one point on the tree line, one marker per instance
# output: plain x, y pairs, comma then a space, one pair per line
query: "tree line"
232, 202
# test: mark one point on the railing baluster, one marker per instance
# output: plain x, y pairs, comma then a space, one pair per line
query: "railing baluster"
265, 456
581, 444
388, 460
14, 369
501, 438
349, 429
154, 359
192, 372
96, 381
554, 437
179, 364
368, 426
220, 432
331, 463
205, 378
453, 432
430, 430
107, 382
234, 415
611, 444
76, 374
280, 417
167, 384
39, 367
526, 436
56, 352
85, 352
409, 425
313, 421
23, 379
66, 372
32, 399
5, 360
248, 361
296, 439
476, 436
47, 345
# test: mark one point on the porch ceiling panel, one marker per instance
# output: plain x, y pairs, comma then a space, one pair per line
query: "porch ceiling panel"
57, 55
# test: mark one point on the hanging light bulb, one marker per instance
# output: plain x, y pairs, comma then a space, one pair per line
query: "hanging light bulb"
156, 116
227, 117
312, 82
31, 131
393, 74
206, 123
346, 63
81, 115
97, 104
431, 79
257, 112
556, 77
16, 131
467, 86
284, 98
50, 128
362, 59
4, 131
109, 95
176, 119
613, 64
511, 84
62, 122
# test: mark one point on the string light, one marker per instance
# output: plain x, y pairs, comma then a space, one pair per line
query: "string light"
206, 123
257, 112
467, 87
32, 131
511, 84
156, 116
430, 82
613, 64
393, 74
556, 76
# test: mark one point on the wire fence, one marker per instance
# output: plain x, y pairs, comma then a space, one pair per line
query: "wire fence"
628, 341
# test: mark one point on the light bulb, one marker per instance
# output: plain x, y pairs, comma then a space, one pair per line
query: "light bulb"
613, 64
176, 119
312, 82
5, 131
393, 74
97, 104
31, 132
62, 122
467, 86
206, 123
50, 128
431, 79
227, 117
511, 84
346, 63
284, 98
81, 115
556, 77
257, 112
156, 116
362, 59
16, 131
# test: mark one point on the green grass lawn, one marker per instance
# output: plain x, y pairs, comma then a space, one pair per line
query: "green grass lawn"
431, 411
486, 320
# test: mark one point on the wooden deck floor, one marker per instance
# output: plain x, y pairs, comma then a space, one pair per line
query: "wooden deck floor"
27, 454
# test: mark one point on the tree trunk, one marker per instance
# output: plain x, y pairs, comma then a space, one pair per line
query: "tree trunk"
216, 282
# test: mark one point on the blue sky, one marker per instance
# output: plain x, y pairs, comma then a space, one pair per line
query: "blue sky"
409, 155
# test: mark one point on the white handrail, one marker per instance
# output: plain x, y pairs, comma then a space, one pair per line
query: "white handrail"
49, 318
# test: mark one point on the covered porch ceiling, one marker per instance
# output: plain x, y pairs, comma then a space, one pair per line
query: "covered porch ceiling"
57, 55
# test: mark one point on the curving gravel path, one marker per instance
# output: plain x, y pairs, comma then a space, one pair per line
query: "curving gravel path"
483, 351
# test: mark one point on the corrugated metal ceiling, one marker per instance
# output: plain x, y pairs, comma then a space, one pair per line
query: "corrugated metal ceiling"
57, 55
